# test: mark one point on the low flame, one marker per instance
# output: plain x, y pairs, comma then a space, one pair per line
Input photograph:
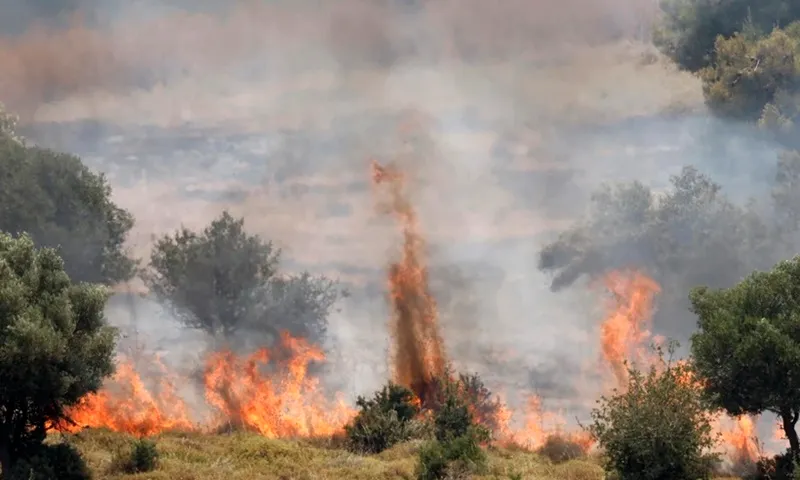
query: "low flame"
127, 405
286, 402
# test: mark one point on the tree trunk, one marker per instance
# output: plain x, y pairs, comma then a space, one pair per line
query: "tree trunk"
789, 419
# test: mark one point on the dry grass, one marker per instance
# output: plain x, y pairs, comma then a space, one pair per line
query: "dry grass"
196, 456
248, 456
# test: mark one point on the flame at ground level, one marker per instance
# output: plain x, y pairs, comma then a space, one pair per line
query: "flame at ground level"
271, 391
276, 398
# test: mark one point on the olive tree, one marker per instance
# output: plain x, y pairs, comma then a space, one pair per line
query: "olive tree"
223, 280
55, 345
60, 203
747, 348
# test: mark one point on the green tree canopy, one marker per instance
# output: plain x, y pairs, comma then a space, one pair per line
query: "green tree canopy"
55, 345
56, 199
747, 349
223, 280
749, 72
689, 28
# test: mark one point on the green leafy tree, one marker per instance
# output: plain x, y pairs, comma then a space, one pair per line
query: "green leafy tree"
55, 345
384, 420
747, 349
689, 29
456, 451
56, 199
748, 73
223, 280
657, 428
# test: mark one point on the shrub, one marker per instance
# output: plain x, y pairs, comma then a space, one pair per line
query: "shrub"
779, 467
383, 421
456, 452
454, 458
459, 402
658, 428
141, 457
559, 448
61, 461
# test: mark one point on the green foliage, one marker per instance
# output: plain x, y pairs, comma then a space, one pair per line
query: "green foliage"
747, 349
222, 280
57, 200
141, 457
470, 392
456, 450
60, 461
748, 74
689, 29
454, 458
55, 345
780, 467
383, 421
8, 124
656, 429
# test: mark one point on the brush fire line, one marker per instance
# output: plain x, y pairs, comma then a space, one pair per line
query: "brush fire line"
272, 393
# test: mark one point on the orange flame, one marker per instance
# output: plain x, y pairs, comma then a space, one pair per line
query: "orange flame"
126, 405
626, 330
287, 402
418, 350
624, 336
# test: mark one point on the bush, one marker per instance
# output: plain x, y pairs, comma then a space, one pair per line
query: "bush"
383, 421
456, 452
61, 461
141, 457
470, 402
657, 429
779, 467
455, 458
559, 449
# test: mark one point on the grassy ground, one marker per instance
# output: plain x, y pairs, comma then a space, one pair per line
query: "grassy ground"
251, 457
196, 456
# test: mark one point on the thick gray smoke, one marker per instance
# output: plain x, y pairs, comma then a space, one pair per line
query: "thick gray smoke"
507, 116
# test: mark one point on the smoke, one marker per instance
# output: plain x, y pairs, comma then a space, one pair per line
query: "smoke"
507, 118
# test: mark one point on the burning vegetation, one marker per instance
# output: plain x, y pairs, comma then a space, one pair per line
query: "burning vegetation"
272, 391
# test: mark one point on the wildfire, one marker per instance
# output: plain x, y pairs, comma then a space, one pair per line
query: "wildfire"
283, 402
288, 403
625, 332
126, 405
272, 392
625, 335
418, 348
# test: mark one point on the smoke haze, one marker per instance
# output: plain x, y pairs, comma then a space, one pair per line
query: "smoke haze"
506, 117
